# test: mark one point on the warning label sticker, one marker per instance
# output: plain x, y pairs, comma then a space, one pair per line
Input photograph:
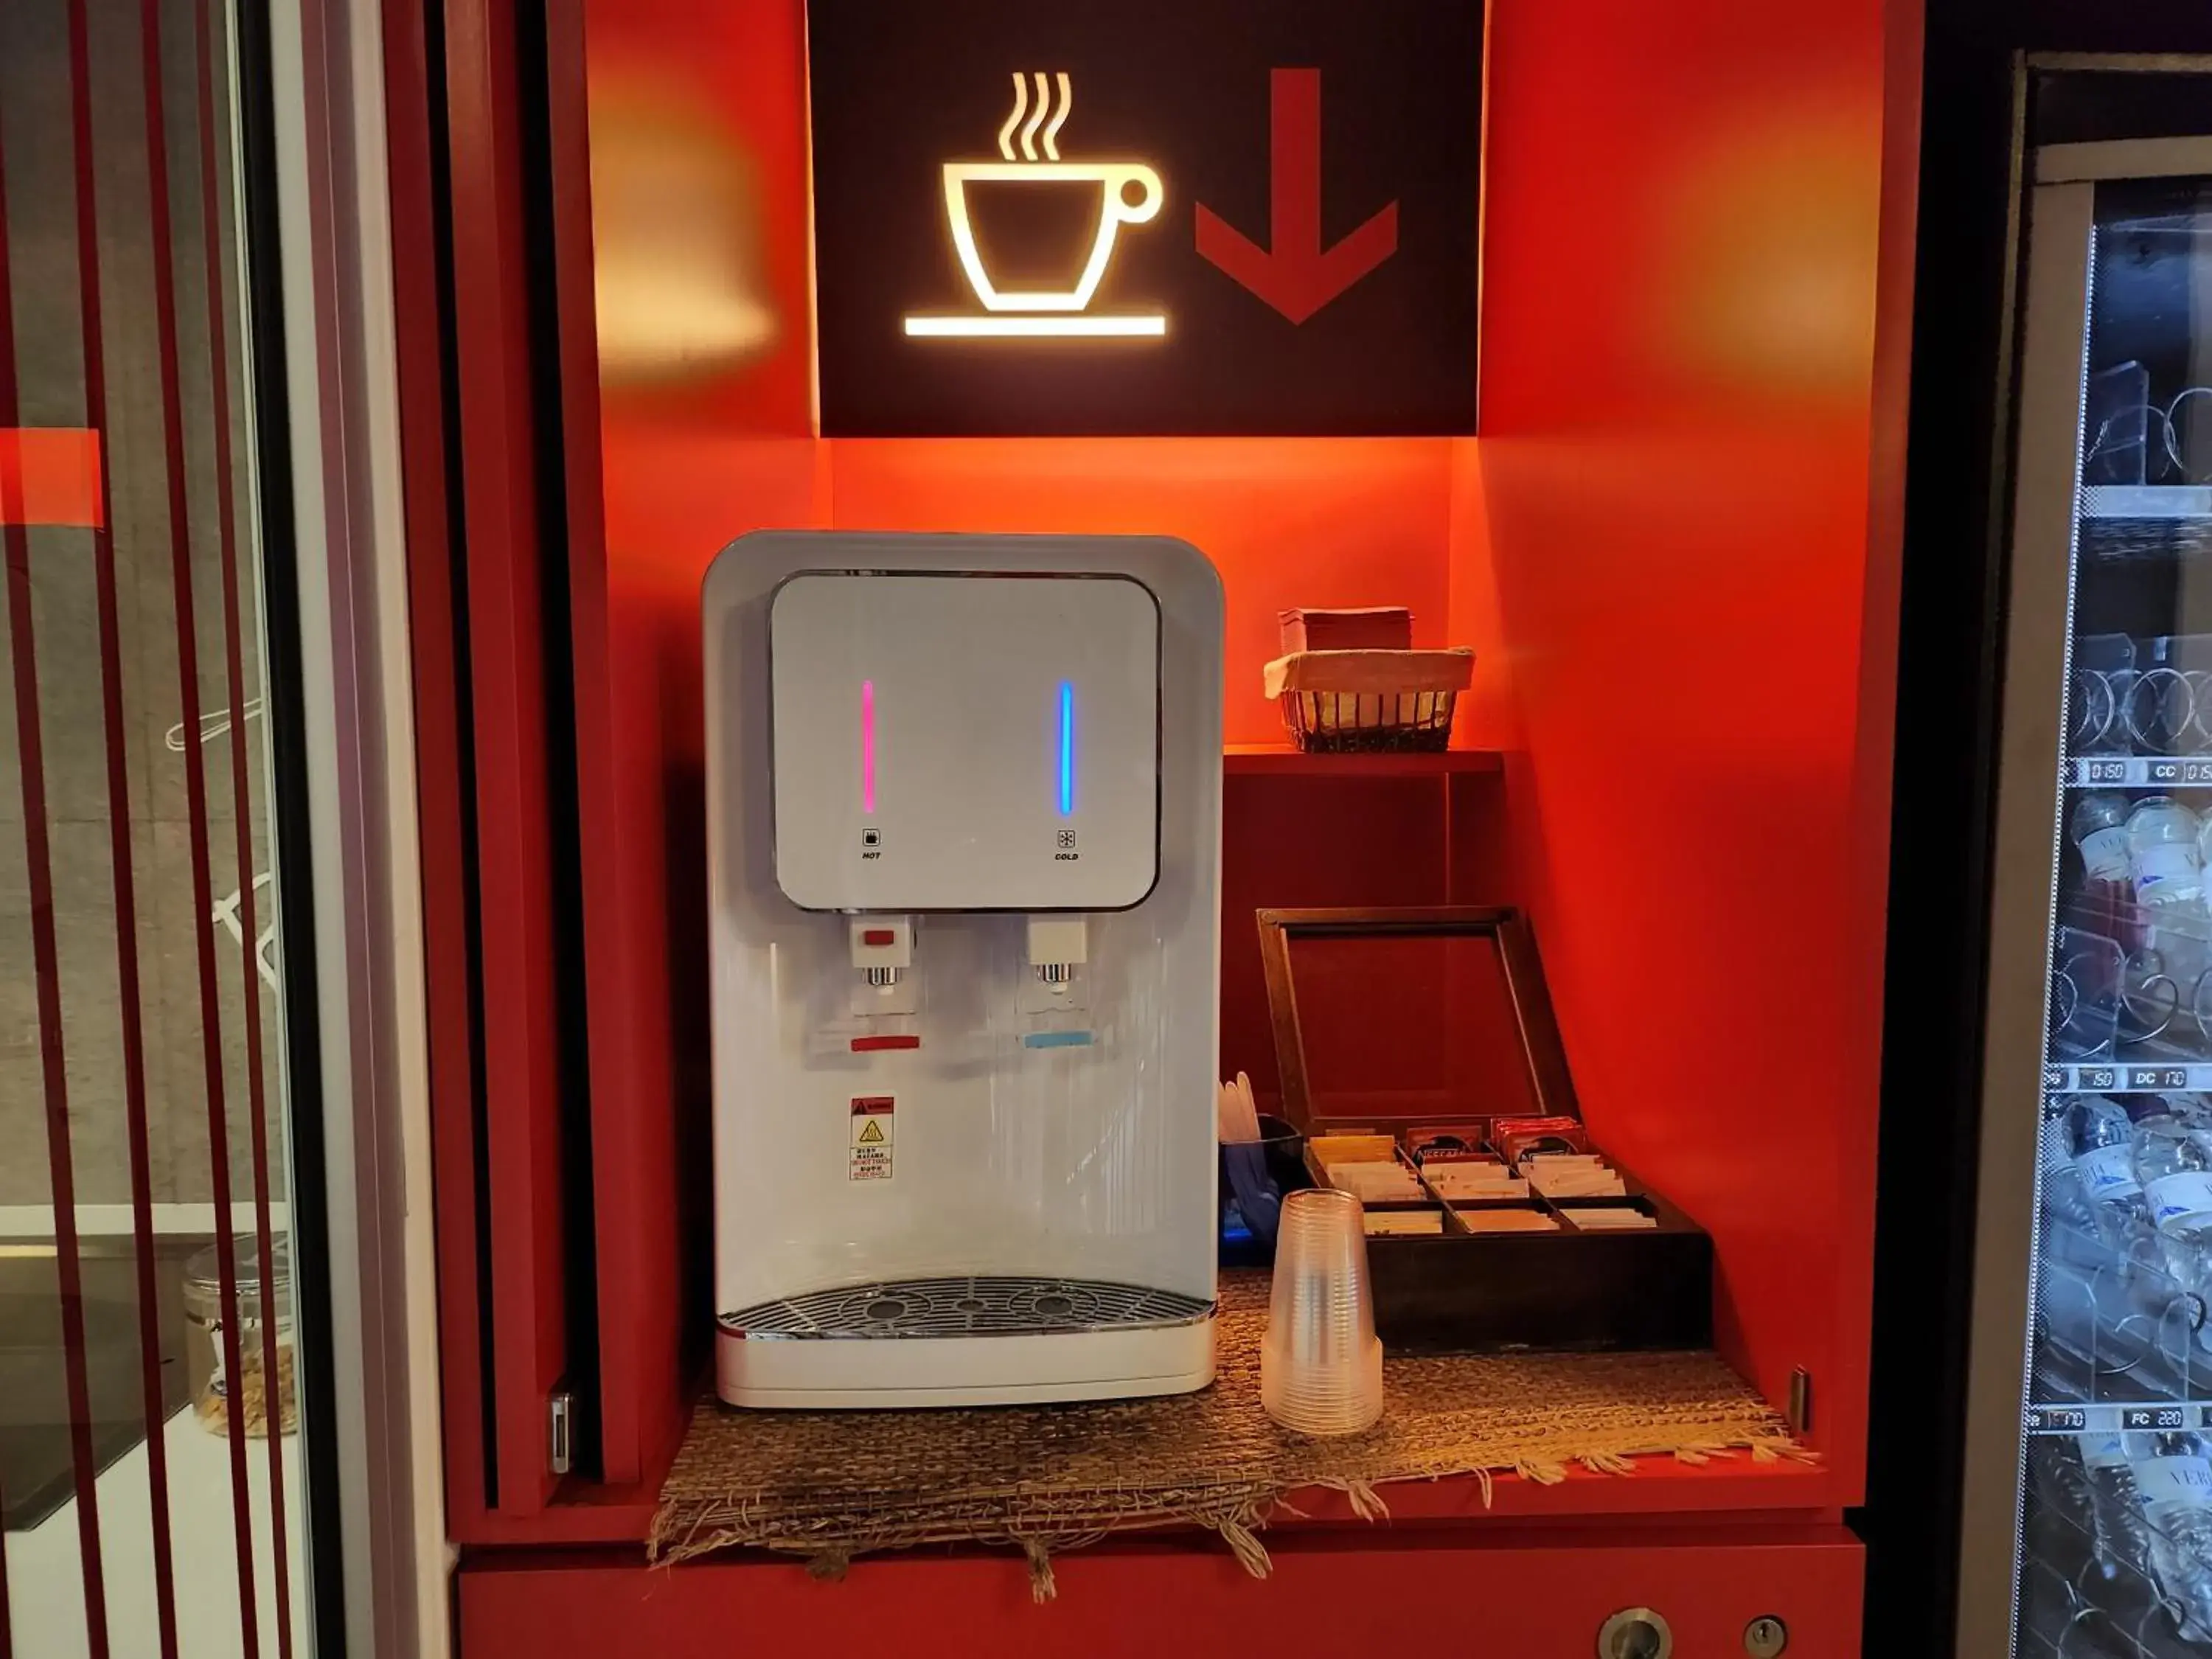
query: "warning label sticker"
871, 1157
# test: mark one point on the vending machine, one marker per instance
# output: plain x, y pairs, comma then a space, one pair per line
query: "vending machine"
2087, 1525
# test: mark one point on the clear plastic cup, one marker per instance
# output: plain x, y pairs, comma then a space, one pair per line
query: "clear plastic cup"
1321, 1363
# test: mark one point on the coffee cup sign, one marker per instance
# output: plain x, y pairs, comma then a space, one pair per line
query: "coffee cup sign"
1126, 194
1150, 218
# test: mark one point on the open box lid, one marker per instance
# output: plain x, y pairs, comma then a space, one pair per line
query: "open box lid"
1396, 1018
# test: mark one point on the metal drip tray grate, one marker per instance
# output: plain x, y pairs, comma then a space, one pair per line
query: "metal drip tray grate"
967, 1307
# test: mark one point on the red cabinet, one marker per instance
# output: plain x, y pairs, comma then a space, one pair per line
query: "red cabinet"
1530, 1595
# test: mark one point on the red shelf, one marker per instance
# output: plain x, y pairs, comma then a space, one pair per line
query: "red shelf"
1281, 761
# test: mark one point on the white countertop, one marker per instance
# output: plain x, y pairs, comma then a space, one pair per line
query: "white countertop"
45, 1590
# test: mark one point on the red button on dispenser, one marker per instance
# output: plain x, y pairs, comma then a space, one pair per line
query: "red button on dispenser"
878, 936
872, 1045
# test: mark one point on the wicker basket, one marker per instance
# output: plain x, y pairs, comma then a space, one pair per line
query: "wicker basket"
1353, 701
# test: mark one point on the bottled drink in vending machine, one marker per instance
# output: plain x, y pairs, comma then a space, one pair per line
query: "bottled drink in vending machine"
2059, 1467
2103, 1146
2064, 1198
2174, 1482
2173, 1162
2116, 1519
2099, 827
2162, 851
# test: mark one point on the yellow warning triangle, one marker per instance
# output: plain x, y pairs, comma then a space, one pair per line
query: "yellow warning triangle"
871, 1134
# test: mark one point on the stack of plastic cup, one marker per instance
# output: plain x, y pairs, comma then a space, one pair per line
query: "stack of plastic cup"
1321, 1363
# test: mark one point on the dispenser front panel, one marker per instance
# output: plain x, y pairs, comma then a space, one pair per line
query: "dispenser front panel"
956, 742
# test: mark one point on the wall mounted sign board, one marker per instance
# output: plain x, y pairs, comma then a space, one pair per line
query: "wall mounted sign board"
1155, 216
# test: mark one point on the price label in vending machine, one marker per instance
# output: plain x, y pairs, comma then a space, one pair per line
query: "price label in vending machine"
2104, 771
2145, 1078
2155, 1417
2071, 1419
2097, 1078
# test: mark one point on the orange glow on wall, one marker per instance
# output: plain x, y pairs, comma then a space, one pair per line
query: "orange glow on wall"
49, 476
1688, 435
1319, 521
727, 82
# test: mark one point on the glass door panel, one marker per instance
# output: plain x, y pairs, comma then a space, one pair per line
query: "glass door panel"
2116, 1496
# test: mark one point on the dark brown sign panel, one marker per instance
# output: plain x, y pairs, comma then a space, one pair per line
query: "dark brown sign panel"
1172, 216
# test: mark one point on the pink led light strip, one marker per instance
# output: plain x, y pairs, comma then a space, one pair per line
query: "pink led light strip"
868, 747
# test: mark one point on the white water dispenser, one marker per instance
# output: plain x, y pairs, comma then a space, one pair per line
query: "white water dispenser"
964, 828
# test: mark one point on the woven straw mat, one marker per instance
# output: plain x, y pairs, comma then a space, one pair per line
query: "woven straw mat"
831, 1484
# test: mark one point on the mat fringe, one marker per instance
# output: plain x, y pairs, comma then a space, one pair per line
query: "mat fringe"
828, 1487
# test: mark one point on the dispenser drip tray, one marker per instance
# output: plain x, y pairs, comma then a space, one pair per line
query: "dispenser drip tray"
992, 1306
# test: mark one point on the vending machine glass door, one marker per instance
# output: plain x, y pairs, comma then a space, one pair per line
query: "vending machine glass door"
2089, 1427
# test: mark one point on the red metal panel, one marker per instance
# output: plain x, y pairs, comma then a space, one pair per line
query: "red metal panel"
1683, 426
1530, 1595
687, 462
1487, 716
635, 1157
440, 779
514, 894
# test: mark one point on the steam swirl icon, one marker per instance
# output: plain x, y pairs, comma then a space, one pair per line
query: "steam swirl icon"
1129, 193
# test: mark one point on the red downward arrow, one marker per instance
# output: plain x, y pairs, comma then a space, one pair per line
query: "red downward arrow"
1296, 277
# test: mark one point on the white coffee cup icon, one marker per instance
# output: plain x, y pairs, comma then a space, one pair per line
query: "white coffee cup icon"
1129, 194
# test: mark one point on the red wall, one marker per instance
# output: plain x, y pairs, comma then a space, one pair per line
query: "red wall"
1695, 301
1661, 546
712, 97
1286, 521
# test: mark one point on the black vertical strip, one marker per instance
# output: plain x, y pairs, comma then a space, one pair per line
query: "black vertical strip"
464, 724
213, 263
1942, 803
283, 702
579, 1278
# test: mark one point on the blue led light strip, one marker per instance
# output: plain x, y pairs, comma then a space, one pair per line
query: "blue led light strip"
1067, 748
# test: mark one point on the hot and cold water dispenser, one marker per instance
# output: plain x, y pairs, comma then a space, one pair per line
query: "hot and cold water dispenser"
965, 820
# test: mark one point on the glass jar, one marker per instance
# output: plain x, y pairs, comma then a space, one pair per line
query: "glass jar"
212, 1390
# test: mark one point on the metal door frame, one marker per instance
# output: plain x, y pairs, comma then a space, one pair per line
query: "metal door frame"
330, 482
